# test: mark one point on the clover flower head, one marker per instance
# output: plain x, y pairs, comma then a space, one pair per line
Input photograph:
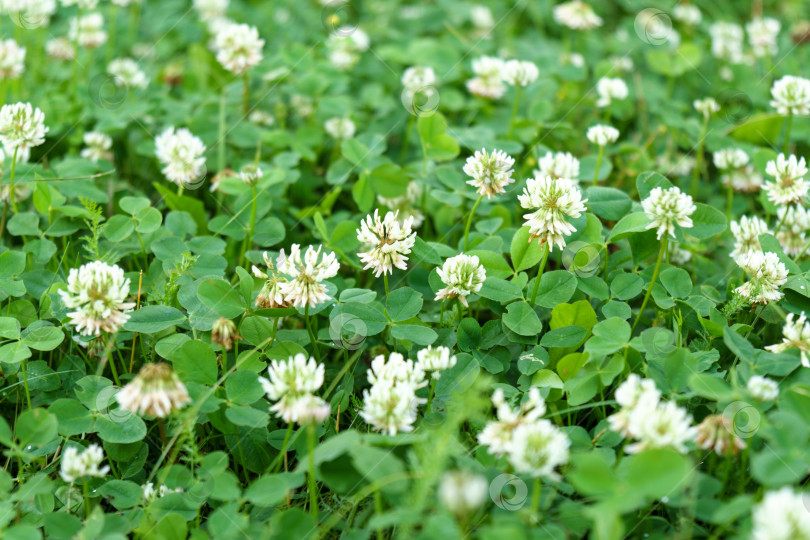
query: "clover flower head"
763, 388
490, 172
602, 135
75, 465
125, 72
12, 59
558, 165
181, 154
155, 391
795, 335
497, 434
292, 384
746, 236
97, 294
781, 515
767, 274
463, 275
339, 128
238, 47
488, 80
88, 30
791, 95
435, 360
554, 201
307, 273
789, 185
98, 146
667, 208
762, 35
520, 72
22, 127
706, 106
390, 242
270, 295
608, 89
576, 15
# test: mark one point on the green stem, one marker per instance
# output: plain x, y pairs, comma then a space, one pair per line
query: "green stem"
280, 457
312, 334
515, 107
406, 139
11, 193
25, 384
652, 281
469, 221
536, 494
378, 511
313, 493
245, 93
539, 273
699, 157
86, 490
729, 200
249, 238
788, 125
431, 393
598, 163
222, 133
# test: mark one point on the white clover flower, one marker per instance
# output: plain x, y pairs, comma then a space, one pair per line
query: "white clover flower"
250, 174
155, 391
462, 492
791, 95
463, 275
677, 165
572, 58
730, 158
88, 30
656, 28
30, 13
81, 4
554, 201
419, 78
716, 433
126, 3
706, 106
75, 465
490, 172
181, 153
22, 127
665, 426
271, 295
789, 185
150, 494
767, 275
558, 165
97, 146
537, 448
238, 47
795, 335
667, 209
302, 105
262, 118
763, 388
727, 41
608, 89
679, 256
481, 17
390, 241
795, 222
520, 72
210, 10
633, 395
97, 294
435, 360
746, 179
126, 73
687, 13
762, 35
622, 63
576, 15
488, 80
12, 59
345, 45
292, 384
339, 128
746, 236
602, 135
224, 333
406, 205
782, 515
390, 405
497, 434
61, 49
306, 287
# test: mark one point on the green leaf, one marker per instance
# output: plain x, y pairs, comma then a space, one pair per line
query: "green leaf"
629, 224
707, 221
403, 304
525, 253
608, 203
710, 387
500, 290
153, 319
121, 428
568, 336
421, 335
521, 319
658, 473
195, 361
72, 416
123, 494
677, 282
222, 297
555, 288
608, 337
389, 180
243, 388
42, 338
270, 490
9, 328
36, 427
626, 286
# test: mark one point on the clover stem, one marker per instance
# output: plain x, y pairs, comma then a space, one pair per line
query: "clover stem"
25, 384
313, 494
536, 494
11, 194
598, 164
431, 393
245, 93
249, 238
469, 221
660, 257
515, 107
729, 200
406, 139
86, 492
283, 451
539, 273
788, 125
385, 283
699, 157
312, 334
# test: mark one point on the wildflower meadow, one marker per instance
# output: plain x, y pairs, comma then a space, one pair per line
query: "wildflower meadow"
375, 269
